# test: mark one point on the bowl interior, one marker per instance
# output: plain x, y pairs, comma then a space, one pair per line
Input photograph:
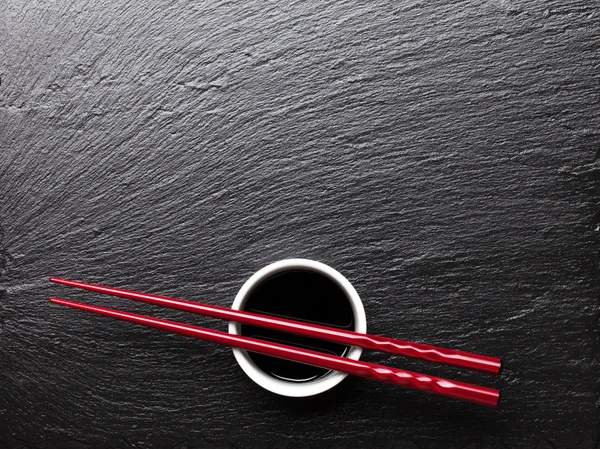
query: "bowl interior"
302, 295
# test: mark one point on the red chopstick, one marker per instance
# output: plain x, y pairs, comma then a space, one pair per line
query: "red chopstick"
399, 347
421, 382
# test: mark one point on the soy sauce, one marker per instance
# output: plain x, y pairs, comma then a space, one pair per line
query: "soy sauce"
299, 295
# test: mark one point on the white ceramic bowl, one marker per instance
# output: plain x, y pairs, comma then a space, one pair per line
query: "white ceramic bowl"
281, 387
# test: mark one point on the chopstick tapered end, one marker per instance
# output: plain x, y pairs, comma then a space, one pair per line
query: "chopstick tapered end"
63, 302
58, 280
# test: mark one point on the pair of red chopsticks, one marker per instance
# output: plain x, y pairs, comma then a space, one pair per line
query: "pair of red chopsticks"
422, 382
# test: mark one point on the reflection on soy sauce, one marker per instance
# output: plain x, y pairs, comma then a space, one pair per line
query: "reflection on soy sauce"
300, 295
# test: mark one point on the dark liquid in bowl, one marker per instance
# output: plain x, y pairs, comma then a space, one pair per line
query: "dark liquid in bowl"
300, 295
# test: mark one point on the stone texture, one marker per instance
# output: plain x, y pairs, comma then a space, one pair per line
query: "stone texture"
441, 155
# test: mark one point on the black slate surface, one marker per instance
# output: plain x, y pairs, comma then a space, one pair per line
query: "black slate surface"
441, 155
